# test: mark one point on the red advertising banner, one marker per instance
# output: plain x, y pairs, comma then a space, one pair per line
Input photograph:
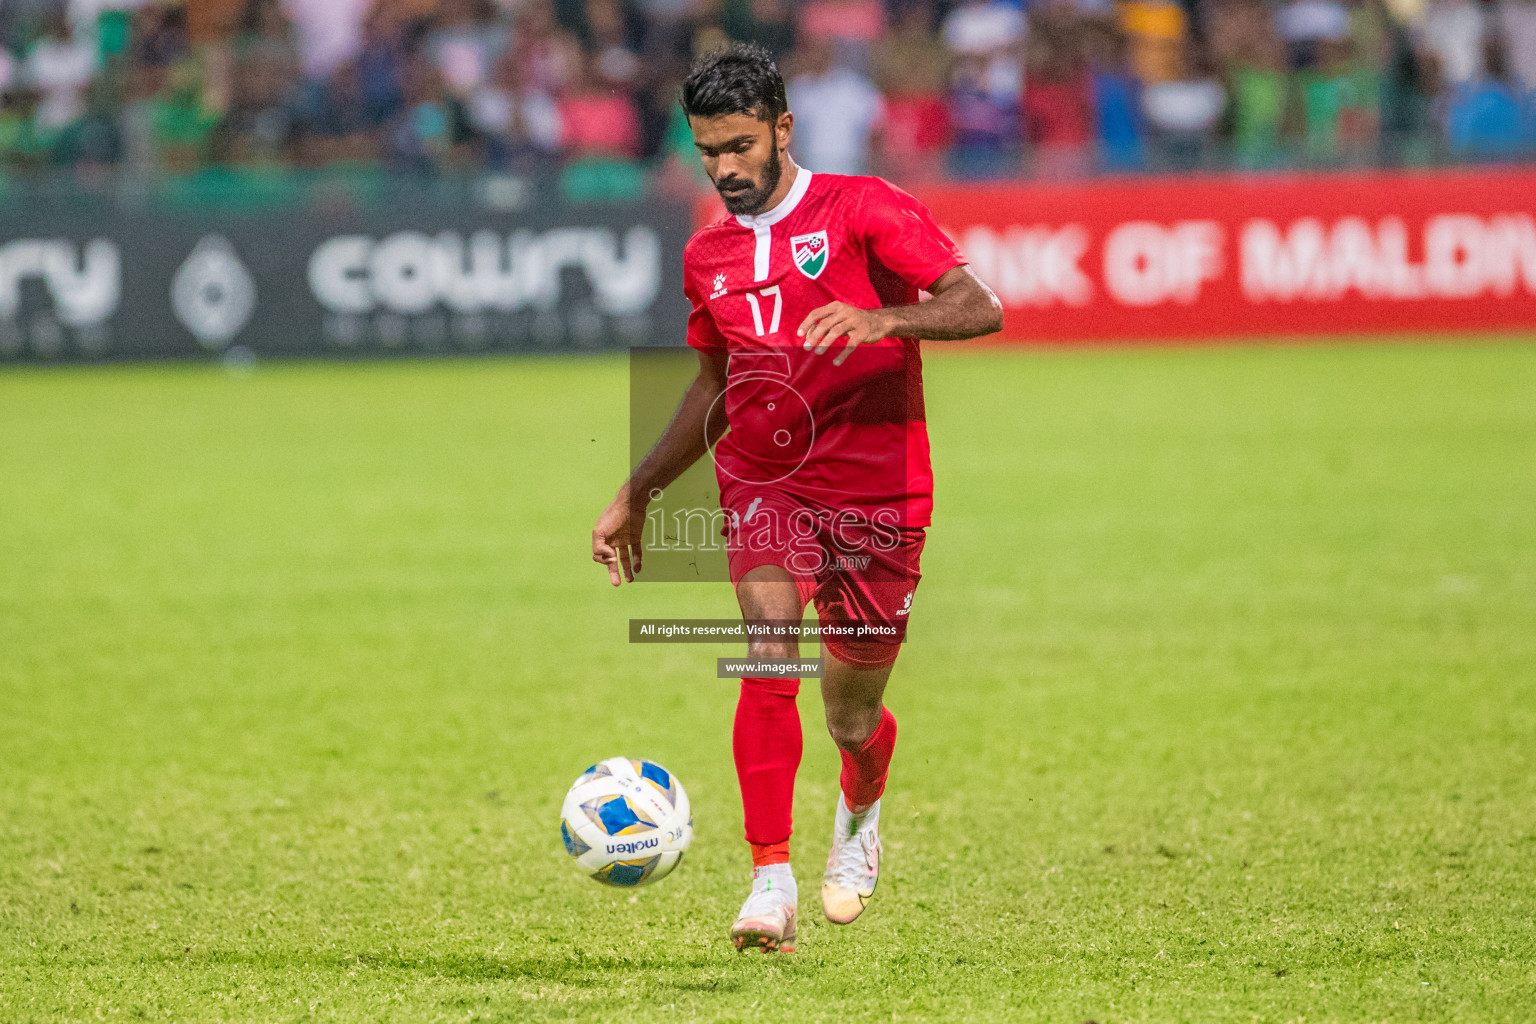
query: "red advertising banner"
1263, 255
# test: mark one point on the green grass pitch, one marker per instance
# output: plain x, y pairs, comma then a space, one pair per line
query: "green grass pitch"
1220, 703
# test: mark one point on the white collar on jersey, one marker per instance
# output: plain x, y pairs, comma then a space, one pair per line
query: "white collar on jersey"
786, 206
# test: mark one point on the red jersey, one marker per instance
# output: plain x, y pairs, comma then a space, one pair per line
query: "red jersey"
850, 437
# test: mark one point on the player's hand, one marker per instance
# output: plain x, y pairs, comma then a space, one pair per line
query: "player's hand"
616, 539
825, 324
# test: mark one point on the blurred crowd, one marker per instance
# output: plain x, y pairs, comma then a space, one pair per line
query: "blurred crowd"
913, 89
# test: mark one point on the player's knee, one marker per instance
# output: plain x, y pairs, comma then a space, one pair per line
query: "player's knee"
851, 728
769, 594
773, 649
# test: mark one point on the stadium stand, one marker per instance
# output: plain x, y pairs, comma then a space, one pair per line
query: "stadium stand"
223, 101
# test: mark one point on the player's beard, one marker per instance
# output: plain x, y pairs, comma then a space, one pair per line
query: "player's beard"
753, 198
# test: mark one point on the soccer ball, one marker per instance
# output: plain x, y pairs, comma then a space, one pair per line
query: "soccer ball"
626, 822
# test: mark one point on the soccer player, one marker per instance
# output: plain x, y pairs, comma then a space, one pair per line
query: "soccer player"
806, 319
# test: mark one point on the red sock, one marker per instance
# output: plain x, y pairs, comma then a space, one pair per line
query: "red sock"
767, 745
864, 772
764, 854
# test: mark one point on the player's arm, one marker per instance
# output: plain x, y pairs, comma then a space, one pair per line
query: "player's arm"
961, 307
616, 539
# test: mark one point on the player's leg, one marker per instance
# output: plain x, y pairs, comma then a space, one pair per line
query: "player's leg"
767, 745
877, 599
864, 730
766, 739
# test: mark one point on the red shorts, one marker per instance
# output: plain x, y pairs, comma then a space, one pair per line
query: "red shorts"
860, 573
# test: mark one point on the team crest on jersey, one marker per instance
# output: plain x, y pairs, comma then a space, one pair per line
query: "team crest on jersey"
810, 253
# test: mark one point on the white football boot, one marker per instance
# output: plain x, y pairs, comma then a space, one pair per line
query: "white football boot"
853, 866
767, 919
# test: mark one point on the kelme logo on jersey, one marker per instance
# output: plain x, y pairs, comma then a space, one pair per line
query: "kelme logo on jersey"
810, 253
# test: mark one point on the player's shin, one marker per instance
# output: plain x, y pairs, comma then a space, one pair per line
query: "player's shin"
865, 769
767, 744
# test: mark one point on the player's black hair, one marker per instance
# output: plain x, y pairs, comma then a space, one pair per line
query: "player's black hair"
740, 78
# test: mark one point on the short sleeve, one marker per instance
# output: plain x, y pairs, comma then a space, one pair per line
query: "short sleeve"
703, 333
901, 233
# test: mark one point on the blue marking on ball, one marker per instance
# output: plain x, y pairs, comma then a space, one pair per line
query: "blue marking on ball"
573, 844
657, 774
617, 815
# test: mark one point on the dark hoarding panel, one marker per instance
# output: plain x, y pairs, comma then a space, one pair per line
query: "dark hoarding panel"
564, 278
